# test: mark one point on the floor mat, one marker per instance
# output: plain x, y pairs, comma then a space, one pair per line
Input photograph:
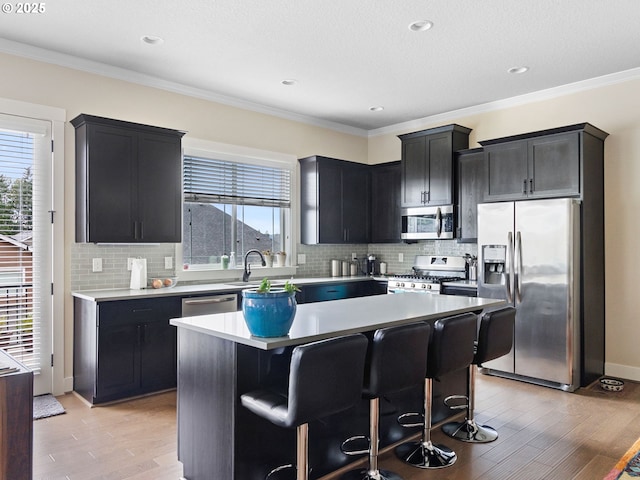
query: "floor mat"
46, 406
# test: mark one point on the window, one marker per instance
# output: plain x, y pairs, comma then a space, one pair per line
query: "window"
25, 235
231, 206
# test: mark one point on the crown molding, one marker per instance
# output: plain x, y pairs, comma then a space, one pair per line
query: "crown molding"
550, 93
90, 66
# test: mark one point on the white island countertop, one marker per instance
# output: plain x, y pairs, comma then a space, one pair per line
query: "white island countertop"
316, 321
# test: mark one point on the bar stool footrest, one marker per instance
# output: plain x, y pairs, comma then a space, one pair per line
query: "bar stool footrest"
406, 424
345, 447
452, 398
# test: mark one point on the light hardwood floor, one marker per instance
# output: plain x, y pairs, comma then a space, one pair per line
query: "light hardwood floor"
544, 434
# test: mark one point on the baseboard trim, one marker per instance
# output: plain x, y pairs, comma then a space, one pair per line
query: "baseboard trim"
622, 371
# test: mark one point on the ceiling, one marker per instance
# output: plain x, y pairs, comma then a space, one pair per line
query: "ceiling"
345, 55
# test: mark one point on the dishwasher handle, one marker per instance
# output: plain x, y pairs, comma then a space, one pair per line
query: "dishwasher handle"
206, 301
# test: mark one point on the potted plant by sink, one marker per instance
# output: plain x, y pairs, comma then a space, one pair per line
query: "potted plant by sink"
269, 311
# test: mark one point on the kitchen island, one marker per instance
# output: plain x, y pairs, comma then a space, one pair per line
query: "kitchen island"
218, 360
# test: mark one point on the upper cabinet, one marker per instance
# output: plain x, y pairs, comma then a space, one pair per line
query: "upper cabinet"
335, 199
471, 191
545, 164
427, 164
386, 220
128, 182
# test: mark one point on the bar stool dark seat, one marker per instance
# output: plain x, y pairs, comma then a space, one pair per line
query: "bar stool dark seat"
450, 349
396, 359
495, 339
325, 377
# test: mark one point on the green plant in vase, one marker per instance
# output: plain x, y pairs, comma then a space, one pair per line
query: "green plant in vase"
269, 311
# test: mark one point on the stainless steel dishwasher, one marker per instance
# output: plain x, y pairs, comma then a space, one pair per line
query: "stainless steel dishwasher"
227, 302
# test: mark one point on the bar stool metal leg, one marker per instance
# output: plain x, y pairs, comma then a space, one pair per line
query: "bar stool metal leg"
469, 430
372, 473
424, 454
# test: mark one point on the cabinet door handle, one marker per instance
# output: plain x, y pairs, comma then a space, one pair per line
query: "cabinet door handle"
531, 185
427, 196
524, 186
140, 329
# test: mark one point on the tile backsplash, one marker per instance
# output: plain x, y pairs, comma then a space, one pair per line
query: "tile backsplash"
317, 258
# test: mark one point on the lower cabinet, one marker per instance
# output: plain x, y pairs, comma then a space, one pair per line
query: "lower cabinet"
341, 290
124, 348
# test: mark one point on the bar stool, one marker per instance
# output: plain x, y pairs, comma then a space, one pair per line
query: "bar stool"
495, 339
325, 377
450, 349
396, 359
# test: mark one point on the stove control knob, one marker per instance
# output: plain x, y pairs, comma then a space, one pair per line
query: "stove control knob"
413, 285
400, 284
429, 286
424, 285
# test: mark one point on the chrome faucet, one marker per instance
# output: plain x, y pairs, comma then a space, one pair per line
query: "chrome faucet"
247, 267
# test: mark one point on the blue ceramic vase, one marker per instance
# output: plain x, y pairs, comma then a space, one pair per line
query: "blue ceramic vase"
269, 314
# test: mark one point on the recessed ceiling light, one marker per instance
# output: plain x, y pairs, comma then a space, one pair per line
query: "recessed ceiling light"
151, 40
376, 108
518, 69
289, 81
421, 25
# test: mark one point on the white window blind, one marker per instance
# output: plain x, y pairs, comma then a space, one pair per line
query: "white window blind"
218, 181
19, 333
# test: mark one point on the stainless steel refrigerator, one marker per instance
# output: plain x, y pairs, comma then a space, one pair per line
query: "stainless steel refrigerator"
530, 254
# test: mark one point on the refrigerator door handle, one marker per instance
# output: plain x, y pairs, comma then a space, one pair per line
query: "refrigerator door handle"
518, 268
509, 268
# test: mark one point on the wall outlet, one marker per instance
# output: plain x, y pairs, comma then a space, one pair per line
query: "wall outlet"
168, 263
302, 258
129, 263
97, 264
401, 257
354, 256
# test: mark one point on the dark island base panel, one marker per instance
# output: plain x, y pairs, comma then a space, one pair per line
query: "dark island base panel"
218, 439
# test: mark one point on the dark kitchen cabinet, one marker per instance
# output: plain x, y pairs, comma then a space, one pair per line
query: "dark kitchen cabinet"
386, 222
124, 348
128, 182
471, 190
16, 434
541, 165
335, 196
427, 176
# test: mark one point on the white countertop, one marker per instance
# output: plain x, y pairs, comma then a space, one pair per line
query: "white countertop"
202, 289
315, 321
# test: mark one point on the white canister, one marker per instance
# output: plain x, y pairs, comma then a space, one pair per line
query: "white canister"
345, 269
383, 268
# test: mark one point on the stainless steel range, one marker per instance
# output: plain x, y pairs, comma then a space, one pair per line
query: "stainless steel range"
428, 274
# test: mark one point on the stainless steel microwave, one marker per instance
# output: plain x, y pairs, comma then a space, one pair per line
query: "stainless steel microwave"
424, 223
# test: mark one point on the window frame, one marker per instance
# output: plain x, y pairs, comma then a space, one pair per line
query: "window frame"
241, 154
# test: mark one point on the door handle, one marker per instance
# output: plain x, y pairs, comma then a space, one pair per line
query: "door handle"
439, 221
509, 267
518, 255
531, 185
524, 186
